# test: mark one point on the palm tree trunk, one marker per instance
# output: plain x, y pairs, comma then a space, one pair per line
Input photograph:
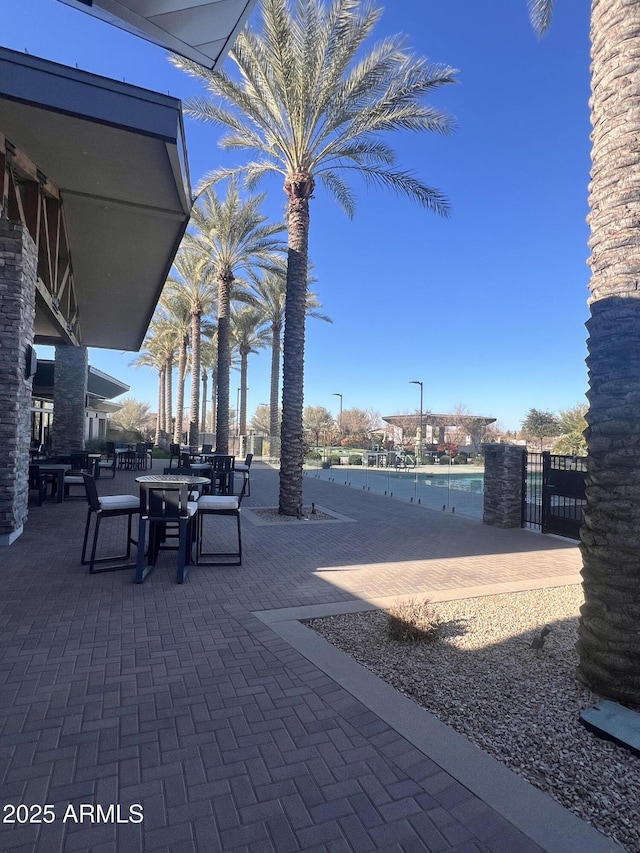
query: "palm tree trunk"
274, 437
182, 370
195, 379
608, 637
214, 397
224, 360
168, 395
242, 415
160, 418
203, 418
299, 189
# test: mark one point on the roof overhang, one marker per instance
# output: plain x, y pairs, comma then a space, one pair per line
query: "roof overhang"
201, 30
117, 154
470, 422
100, 386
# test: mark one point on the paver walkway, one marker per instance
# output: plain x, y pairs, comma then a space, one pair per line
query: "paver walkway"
181, 699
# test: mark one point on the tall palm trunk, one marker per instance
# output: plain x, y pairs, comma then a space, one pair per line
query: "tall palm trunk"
195, 379
299, 189
203, 417
242, 415
214, 397
160, 419
274, 438
168, 395
224, 360
182, 370
608, 639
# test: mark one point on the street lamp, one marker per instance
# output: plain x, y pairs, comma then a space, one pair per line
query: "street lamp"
419, 449
340, 419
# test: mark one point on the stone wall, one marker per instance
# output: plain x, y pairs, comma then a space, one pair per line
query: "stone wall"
18, 269
69, 399
503, 484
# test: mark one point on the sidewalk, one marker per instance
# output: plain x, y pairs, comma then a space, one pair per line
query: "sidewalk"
234, 726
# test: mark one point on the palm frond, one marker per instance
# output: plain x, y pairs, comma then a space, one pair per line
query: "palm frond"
540, 12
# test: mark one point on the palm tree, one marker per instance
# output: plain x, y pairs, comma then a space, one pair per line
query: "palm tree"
235, 236
176, 312
271, 293
161, 344
313, 108
249, 335
209, 362
150, 356
608, 639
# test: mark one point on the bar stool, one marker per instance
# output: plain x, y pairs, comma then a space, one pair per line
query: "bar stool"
163, 504
108, 506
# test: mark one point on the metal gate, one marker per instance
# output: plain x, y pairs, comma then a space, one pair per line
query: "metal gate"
554, 493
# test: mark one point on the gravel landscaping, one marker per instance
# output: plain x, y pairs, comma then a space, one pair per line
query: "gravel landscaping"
518, 703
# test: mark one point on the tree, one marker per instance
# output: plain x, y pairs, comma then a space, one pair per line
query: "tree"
572, 426
248, 337
132, 415
608, 638
175, 310
235, 236
270, 291
318, 420
540, 425
314, 105
356, 427
261, 420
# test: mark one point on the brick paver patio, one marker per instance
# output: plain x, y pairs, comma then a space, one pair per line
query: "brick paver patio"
183, 700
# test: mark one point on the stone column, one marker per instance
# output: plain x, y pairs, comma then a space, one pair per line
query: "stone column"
69, 399
503, 484
18, 268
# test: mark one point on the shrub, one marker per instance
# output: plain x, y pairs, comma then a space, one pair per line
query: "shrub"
460, 459
413, 621
334, 460
355, 459
444, 460
325, 464
95, 445
314, 455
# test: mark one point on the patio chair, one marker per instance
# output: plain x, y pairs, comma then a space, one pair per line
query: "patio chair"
163, 504
222, 474
243, 468
109, 506
108, 464
206, 448
219, 505
38, 482
174, 453
74, 478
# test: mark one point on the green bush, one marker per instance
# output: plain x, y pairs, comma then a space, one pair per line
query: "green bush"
355, 459
325, 464
413, 621
313, 455
334, 460
95, 445
460, 459
444, 460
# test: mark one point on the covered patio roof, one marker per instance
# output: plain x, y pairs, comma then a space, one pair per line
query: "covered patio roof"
471, 423
201, 30
116, 153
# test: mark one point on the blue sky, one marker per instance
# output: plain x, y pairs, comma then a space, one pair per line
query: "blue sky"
487, 307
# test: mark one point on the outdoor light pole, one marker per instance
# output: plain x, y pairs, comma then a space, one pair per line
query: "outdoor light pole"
419, 453
340, 420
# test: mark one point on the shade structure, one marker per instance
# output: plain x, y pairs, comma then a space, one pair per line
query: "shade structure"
116, 153
201, 30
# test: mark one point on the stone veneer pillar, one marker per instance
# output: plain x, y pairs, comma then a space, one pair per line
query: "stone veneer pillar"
18, 269
503, 484
69, 399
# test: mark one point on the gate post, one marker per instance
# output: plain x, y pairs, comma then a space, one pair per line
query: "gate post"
503, 484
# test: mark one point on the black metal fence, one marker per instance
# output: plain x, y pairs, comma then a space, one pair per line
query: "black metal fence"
554, 493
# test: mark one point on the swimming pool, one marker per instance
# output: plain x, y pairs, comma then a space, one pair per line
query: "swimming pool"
456, 492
